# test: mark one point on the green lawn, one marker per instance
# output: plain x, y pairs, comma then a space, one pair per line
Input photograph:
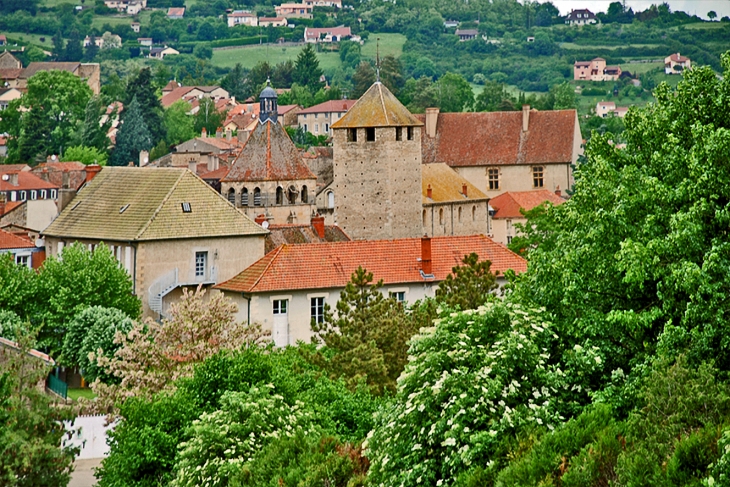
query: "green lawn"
572, 46
390, 44
29, 38
77, 393
100, 20
249, 56
703, 25
640, 68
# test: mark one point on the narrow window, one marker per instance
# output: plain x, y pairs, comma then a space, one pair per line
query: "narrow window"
331, 199
317, 310
410, 133
33, 194
352, 135
44, 193
316, 128
280, 306
441, 216
509, 240
22, 196
537, 176
473, 213
13, 196
370, 134
424, 218
201, 262
493, 177
54, 193
306, 129
256, 197
326, 128
232, 196
244, 197
279, 195
305, 195
293, 195
399, 133
460, 214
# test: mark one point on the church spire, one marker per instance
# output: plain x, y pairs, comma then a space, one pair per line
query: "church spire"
377, 60
268, 108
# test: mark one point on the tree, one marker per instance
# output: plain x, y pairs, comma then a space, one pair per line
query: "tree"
454, 93
468, 286
18, 285
366, 339
206, 32
712, 15
235, 82
132, 137
391, 74
74, 49
59, 47
493, 98
208, 116
91, 50
178, 124
86, 155
307, 72
203, 51
142, 88
563, 96
47, 117
30, 433
77, 279
93, 131
363, 79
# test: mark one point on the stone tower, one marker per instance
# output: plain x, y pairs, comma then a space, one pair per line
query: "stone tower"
377, 168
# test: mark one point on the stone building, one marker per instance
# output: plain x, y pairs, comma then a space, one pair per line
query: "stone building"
269, 176
377, 169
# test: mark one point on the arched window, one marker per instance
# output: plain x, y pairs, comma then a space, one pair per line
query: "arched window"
232, 196
473, 213
305, 195
331, 199
244, 197
256, 197
441, 216
292, 194
279, 195
460, 214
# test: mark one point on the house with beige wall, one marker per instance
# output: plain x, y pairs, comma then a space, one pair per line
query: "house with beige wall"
242, 17
167, 228
318, 119
294, 11
505, 151
595, 70
676, 63
509, 207
89, 72
290, 286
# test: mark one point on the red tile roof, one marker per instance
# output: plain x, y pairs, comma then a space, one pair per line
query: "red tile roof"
329, 107
330, 265
508, 204
496, 138
314, 33
26, 181
176, 11
178, 93
11, 205
11, 241
677, 58
218, 174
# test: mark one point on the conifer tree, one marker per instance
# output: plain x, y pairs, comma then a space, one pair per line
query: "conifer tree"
93, 133
74, 50
307, 72
133, 137
363, 78
59, 49
468, 286
142, 88
91, 50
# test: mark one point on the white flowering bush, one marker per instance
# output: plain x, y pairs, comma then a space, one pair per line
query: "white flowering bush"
473, 378
226, 439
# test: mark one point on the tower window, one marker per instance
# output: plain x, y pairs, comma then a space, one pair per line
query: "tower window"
244, 197
279, 195
232, 196
257, 197
305, 195
410, 133
370, 134
399, 133
331, 199
352, 135
441, 216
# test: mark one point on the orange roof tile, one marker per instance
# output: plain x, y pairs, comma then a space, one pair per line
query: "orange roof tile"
508, 205
496, 138
330, 106
11, 205
11, 241
26, 181
330, 265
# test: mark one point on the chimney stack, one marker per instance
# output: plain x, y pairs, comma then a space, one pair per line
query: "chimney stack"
260, 219
463, 189
432, 118
65, 180
229, 134
193, 166
203, 133
525, 118
318, 225
144, 158
219, 133
91, 171
558, 192
13, 178
429, 192
426, 267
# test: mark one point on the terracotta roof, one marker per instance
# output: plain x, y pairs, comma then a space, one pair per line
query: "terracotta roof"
677, 58
241, 13
330, 265
171, 85
302, 234
269, 155
179, 92
26, 181
11, 205
33, 68
137, 204
329, 107
176, 11
582, 63
217, 175
496, 138
446, 185
314, 33
10, 241
508, 204
271, 19
378, 107
10, 73
54, 173
8, 168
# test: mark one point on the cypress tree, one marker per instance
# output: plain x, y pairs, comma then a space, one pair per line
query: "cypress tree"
91, 50
307, 72
142, 88
59, 50
74, 50
133, 137
93, 133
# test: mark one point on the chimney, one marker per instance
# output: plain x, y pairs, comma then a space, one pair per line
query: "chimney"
64, 180
432, 117
219, 133
318, 225
2, 204
193, 166
426, 255
13, 178
525, 117
429, 192
558, 192
203, 133
44, 174
91, 171
229, 134
144, 158
463, 189
260, 219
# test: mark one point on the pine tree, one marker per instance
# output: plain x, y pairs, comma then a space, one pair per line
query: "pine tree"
142, 88
468, 286
93, 133
59, 49
363, 78
132, 137
91, 50
74, 50
307, 72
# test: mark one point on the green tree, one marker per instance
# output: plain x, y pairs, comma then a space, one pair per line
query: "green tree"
307, 72
93, 131
563, 96
74, 49
494, 98
91, 50
142, 88
454, 93
366, 339
59, 46
208, 116
132, 137
203, 51
712, 15
178, 124
235, 82
391, 74
47, 117
18, 285
86, 155
468, 286
363, 79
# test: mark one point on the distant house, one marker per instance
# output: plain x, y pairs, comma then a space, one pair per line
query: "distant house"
323, 3
7, 95
294, 10
272, 21
327, 34
508, 207
145, 41
467, 34
131, 7
29, 200
595, 70
3, 40
676, 63
318, 119
91, 73
135, 26
24, 251
242, 17
176, 12
161, 52
191, 92
97, 40
603, 108
451, 24
581, 17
